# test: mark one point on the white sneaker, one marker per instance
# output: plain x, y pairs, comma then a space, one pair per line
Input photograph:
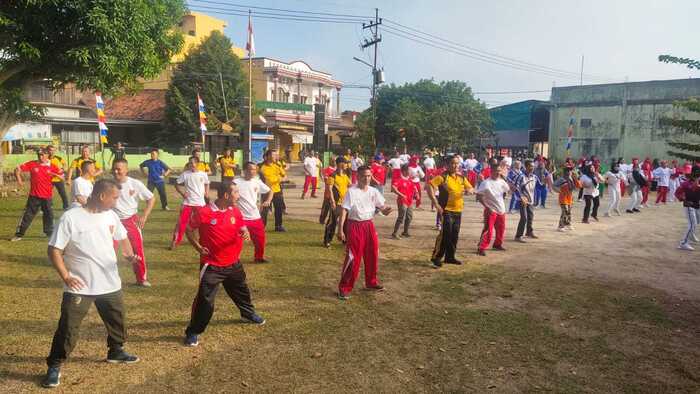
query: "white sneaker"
562, 229
694, 238
145, 283
570, 228
685, 247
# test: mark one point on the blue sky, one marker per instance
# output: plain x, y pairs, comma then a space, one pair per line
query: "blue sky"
619, 39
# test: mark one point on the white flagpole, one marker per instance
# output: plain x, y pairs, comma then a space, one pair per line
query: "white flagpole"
250, 88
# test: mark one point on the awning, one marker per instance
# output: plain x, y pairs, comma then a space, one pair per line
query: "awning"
299, 137
29, 132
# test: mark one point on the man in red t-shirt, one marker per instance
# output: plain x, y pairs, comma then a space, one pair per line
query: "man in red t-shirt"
221, 233
41, 172
404, 188
378, 170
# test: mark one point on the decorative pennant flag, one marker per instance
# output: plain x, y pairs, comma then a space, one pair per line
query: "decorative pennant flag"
570, 131
101, 118
250, 45
202, 116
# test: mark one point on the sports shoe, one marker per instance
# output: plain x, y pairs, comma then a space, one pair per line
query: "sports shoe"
629, 211
521, 240
533, 236
481, 252
375, 288
436, 264
636, 210
15, 239
595, 218
455, 262
53, 377
191, 340
617, 211
406, 235
119, 356
570, 228
167, 208
343, 296
280, 229
254, 319
585, 221
694, 238
500, 248
562, 229
395, 236
685, 247
263, 260
145, 283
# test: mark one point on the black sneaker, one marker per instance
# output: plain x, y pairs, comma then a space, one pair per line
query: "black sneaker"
53, 377
499, 248
406, 235
434, 263
254, 319
119, 356
191, 340
629, 211
455, 262
636, 210
481, 252
280, 229
262, 261
343, 296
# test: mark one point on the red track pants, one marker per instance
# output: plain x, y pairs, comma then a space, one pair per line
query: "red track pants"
362, 244
661, 193
136, 239
185, 212
645, 194
353, 177
417, 194
492, 220
256, 228
310, 181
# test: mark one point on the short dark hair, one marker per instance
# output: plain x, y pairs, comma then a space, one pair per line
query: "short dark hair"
103, 185
268, 153
224, 187
249, 163
85, 164
361, 169
120, 161
528, 161
340, 159
155, 150
194, 159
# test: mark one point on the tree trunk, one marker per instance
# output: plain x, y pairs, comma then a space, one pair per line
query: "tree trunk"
6, 122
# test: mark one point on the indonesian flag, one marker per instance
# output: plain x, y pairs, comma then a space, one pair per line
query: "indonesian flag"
250, 46
101, 118
202, 115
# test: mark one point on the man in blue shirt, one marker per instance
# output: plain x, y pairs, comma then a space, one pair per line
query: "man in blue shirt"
157, 172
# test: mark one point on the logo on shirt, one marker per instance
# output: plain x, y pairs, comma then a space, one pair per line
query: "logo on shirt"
213, 222
131, 192
233, 220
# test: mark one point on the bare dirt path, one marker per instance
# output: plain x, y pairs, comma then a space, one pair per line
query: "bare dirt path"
635, 249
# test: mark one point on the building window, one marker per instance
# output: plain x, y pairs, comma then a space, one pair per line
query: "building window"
304, 99
295, 98
585, 123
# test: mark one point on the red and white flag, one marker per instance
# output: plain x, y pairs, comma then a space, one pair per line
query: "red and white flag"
250, 46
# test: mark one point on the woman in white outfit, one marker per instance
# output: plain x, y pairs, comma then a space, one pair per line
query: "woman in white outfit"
636, 180
613, 178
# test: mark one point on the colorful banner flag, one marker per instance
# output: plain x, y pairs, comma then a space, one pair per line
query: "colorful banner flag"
101, 118
250, 45
202, 116
570, 131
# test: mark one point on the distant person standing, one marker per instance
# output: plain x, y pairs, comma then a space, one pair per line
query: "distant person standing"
311, 165
326, 206
591, 193
689, 193
250, 188
404, 189
193, 186
158, 171
132, 191
82, 185
565, 185
220, 231
491, 194
228, 166
662, 175
82, 252
338, 184
355, 163
41, 172
378, 173
272, 174
450, 188
525, 184
395, 164
614, 178
358, 208
74, 170
57, 181
118, 152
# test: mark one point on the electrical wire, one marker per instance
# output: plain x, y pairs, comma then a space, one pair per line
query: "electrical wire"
247, 6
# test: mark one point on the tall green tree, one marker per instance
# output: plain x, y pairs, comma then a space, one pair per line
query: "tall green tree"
444, 115
101, 45
199, 74
689, 147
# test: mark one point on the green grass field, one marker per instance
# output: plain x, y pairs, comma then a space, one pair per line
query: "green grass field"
475, 328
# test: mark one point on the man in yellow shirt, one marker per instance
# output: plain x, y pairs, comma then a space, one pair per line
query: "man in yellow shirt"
338, 184
57, 181
74, 170
201, 164
452, 186
228, 166
272, 174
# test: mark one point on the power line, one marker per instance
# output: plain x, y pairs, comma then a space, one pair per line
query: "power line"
245, 7
281, 17
590, 76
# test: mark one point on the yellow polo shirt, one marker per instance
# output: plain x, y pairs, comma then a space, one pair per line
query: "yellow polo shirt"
341, 182
204, 167
76, 163
228, 162
273, 175
60, 163
456, 186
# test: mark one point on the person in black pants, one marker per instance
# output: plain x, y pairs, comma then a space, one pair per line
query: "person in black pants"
57, 181
525, 184
158, 171
591, 193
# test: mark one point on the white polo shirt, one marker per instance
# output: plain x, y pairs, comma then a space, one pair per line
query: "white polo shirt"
663, 176
395, 163
132, 192
248, 200
491, 192
311, 166
361, 204
87, 240
429, 163
80, 187
194, 185
415, 173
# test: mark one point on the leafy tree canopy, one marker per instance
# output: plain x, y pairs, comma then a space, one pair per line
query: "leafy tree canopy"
199, 73
687, 148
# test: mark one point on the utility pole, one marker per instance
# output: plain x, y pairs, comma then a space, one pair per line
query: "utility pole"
223, 94
373, 26
581, 70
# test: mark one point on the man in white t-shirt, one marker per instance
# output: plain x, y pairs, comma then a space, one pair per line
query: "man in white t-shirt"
82, 185
311, 166
405, 157
250, 187
355, 163
416, 173
359, 205
127, 208
429, 162
470, 162
82, 252
491, 194
662, 175
395, 164
193, 186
